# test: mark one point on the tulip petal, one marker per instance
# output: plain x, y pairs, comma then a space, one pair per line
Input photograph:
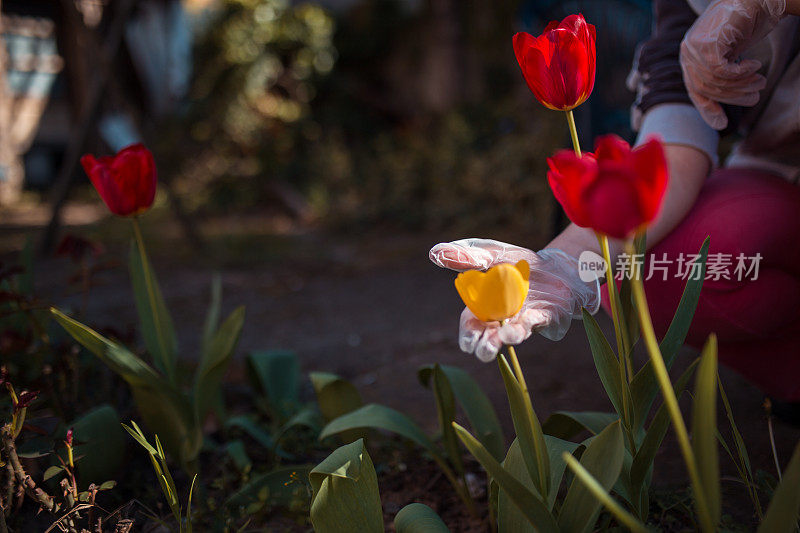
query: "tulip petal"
126, 182
650, 164
539, 76
552, 25
616, 190
523, 268
559, 65
587, 35
522, 41
572, 64
567, 177
611, 148
612, 202
496, 294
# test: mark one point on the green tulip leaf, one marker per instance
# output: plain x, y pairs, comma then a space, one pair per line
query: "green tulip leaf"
601, 494
307, 417
603, 461
555, 449
100, 443
376, 416
476, 406
646, 454
567, 424
742, 459
528, 502
156, 323
166, 410
644, 387
704, 427
215, 361
781, 516
446, 411
337, 397
345, 492
238, 454
213, 313
276, 374
255, 431
509, 517
418, 518
605, 361
529, 430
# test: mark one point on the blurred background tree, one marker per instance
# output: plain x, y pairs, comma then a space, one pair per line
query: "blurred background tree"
340, 113
406, 113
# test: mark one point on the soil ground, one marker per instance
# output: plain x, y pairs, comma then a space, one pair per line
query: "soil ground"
369, 307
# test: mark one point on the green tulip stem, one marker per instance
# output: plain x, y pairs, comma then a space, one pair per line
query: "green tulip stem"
625, 367
620, 332
616, 311
573, 131
662, 375
622, 344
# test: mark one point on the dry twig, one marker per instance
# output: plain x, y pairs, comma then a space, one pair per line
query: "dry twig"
31, 489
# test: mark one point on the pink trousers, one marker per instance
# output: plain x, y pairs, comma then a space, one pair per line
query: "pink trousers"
753, 219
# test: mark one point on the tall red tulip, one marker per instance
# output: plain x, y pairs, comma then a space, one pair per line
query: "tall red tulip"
614, 191
126, 181
559, 65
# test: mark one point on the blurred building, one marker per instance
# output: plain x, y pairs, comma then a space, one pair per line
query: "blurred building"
55, 53
30, 64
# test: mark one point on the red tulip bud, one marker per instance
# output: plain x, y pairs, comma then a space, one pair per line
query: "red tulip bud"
126, 181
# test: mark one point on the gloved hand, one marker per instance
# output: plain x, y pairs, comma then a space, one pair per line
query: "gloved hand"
710, 53
555, 297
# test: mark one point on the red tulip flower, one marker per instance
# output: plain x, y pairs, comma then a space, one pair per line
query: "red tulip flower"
126, 182
559, 65
614, 191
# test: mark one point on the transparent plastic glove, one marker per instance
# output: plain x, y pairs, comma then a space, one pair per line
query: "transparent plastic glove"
555, 297
710, 52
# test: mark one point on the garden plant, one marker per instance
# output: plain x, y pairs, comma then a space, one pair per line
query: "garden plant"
275, 451
616, 191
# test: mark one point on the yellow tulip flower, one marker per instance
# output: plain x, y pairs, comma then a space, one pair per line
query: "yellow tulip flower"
496, 294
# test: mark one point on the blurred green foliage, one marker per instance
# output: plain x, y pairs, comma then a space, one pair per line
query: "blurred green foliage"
258, 65
361, 124
256, 73
458, 174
